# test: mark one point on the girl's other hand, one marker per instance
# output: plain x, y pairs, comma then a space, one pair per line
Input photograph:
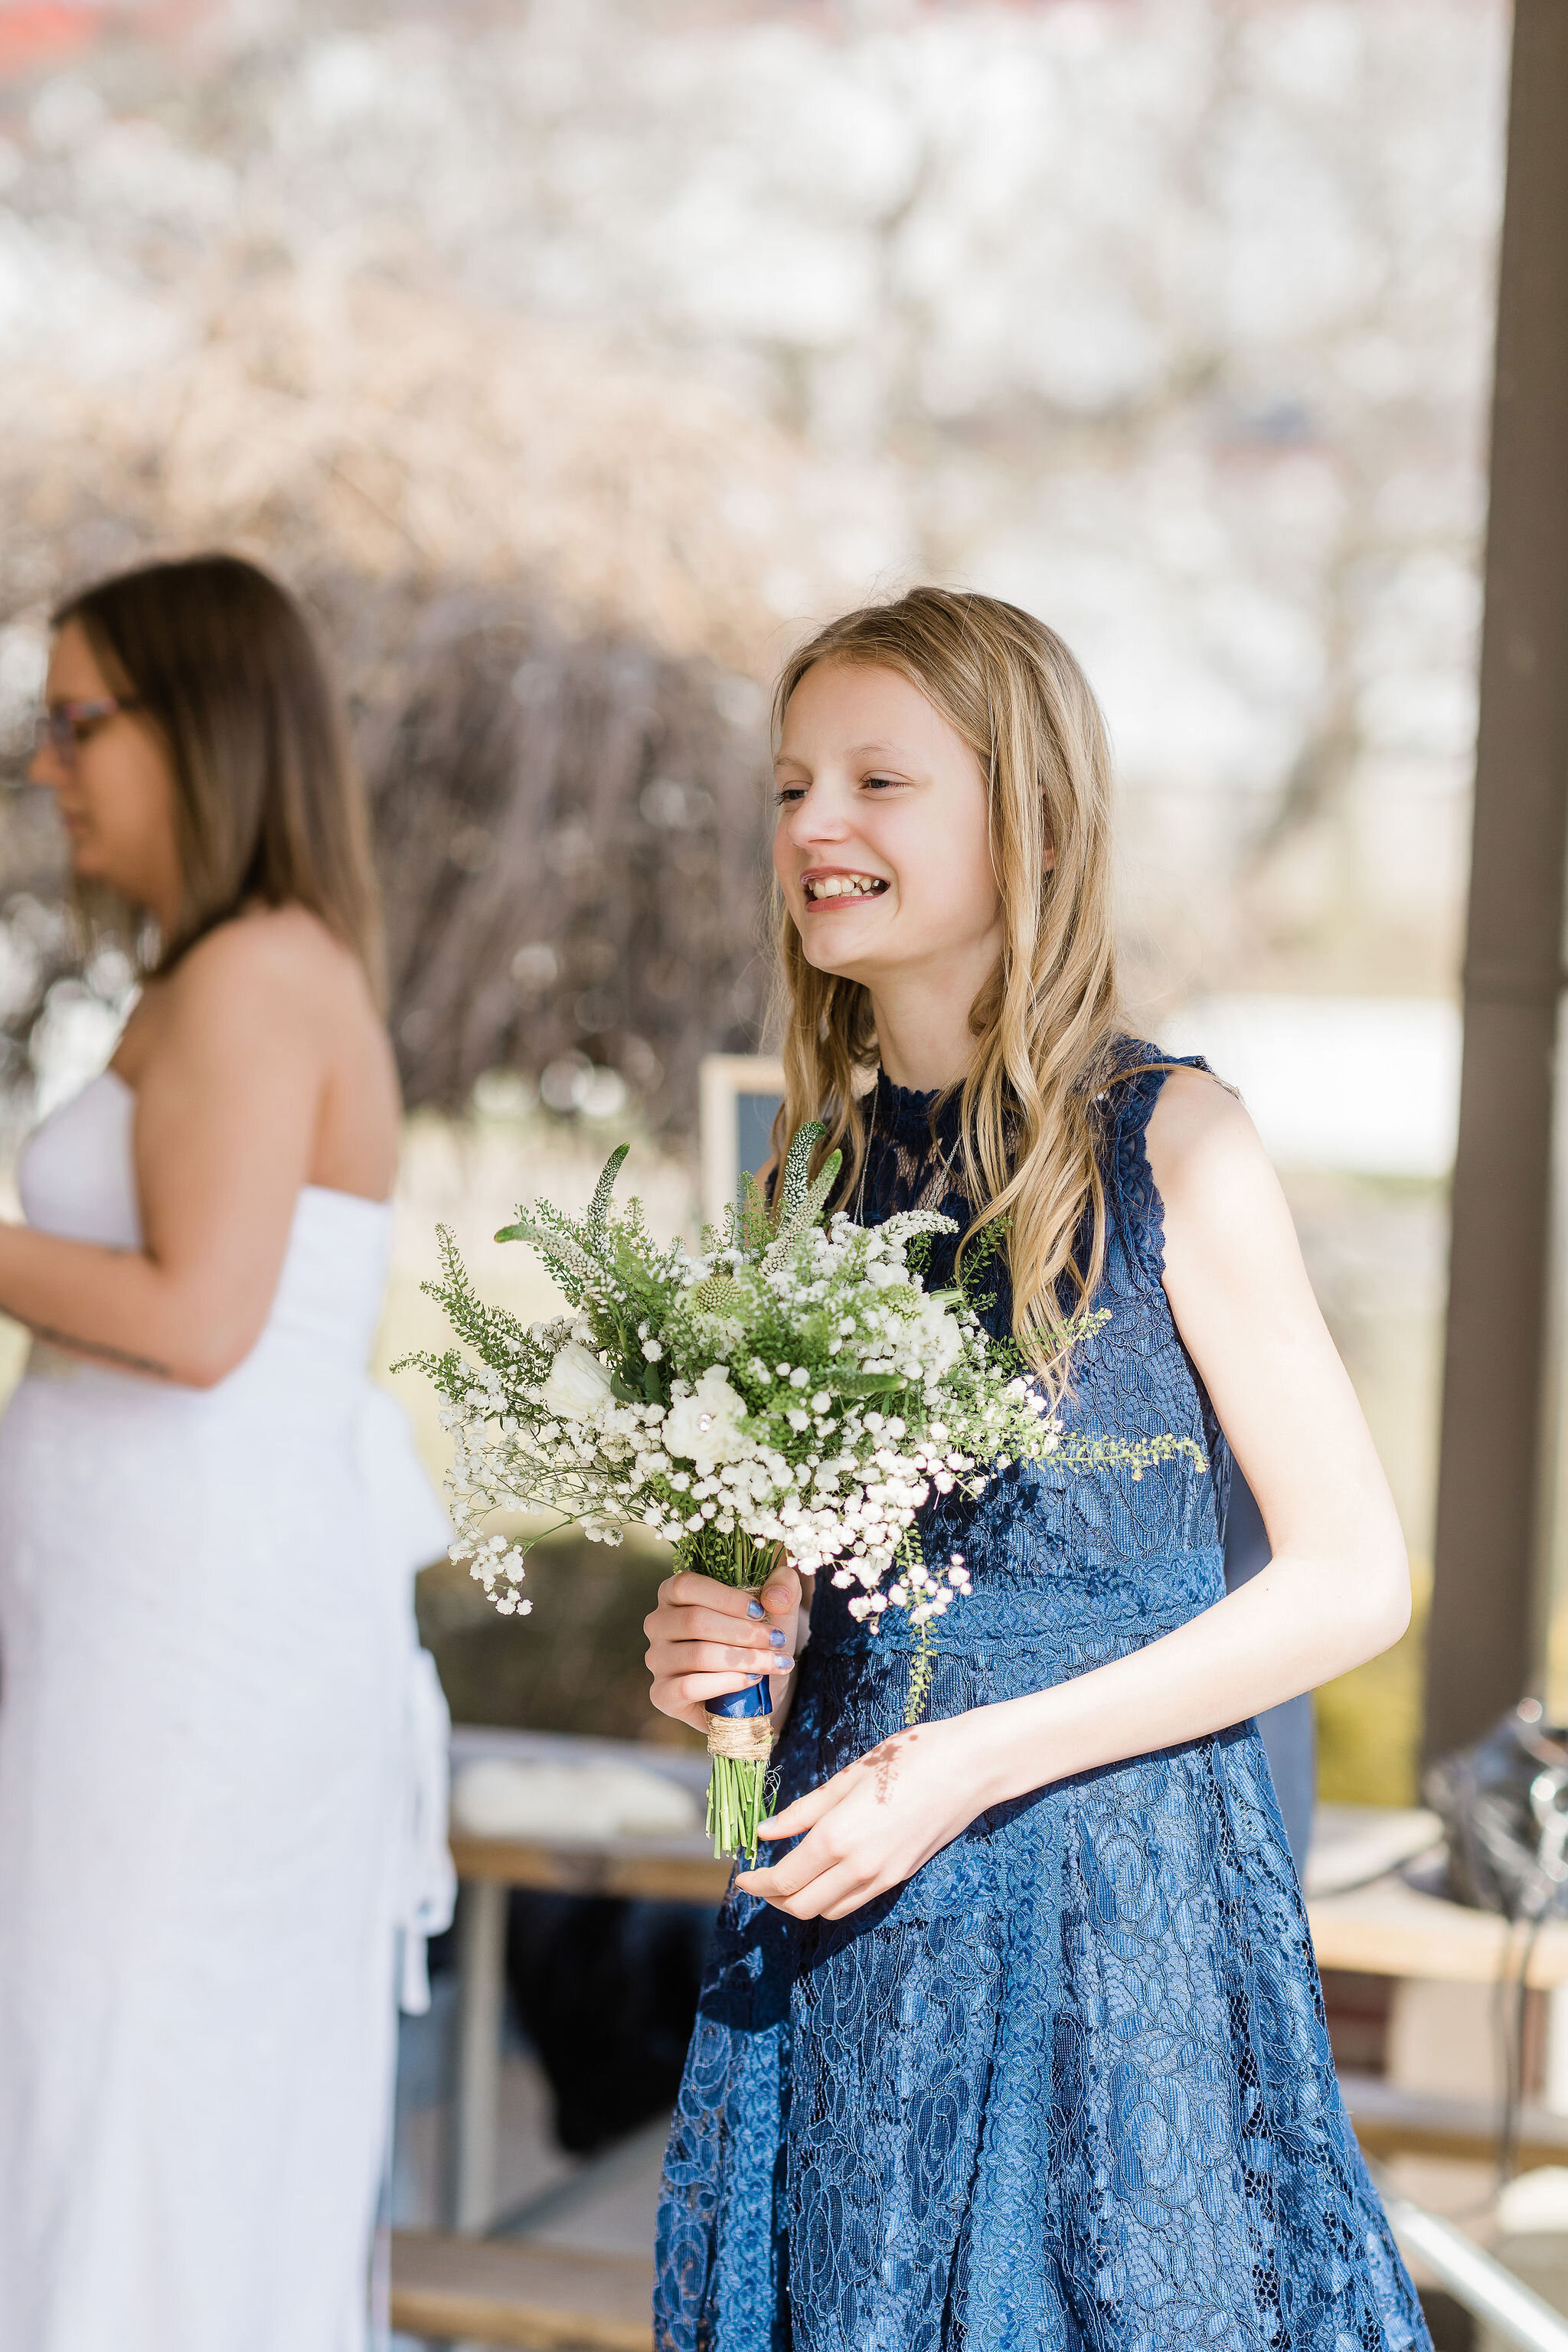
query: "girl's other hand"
706, 1639
872, 1825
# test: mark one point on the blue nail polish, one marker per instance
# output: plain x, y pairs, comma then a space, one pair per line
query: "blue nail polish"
755, 1609
777, 1637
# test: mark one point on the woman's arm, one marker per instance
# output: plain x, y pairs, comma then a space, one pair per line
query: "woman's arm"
1336, 1592
226, 1119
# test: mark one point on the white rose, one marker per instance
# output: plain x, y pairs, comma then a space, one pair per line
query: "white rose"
706, 1426
579, 1387
939, 1339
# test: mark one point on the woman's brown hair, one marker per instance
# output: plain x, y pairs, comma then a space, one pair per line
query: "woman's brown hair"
1045, 1024
269, 804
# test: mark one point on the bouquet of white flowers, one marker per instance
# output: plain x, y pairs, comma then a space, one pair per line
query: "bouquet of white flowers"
791, 1386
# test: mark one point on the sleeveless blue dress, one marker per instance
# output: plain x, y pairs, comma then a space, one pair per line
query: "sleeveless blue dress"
1069, 2084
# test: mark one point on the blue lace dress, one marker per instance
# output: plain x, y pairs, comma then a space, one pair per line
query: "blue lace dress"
1069, 2084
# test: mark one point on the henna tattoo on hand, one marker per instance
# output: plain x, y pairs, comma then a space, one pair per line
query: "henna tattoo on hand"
884, 1762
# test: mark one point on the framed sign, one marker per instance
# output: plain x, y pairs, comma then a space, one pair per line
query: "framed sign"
738, 1096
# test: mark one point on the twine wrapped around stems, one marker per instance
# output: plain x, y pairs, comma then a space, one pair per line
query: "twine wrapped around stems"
748, 1737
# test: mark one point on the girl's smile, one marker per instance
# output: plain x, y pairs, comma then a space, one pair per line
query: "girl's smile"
831, 885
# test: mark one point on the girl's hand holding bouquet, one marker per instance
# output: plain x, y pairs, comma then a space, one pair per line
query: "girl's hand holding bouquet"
708, 1640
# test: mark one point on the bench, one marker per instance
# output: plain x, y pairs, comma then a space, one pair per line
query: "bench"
534, 2298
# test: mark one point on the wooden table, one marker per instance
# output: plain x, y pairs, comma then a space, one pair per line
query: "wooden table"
1367, 1917
666, 1870
541, 2297
1390, 1930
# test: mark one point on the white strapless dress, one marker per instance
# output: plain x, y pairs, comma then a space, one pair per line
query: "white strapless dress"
222, 1796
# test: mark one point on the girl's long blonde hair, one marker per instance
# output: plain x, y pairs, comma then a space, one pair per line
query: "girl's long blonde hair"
1047, 1022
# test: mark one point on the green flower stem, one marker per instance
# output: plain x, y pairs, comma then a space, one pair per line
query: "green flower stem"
922, 1665
737, 1805
738, 1794
731, 1559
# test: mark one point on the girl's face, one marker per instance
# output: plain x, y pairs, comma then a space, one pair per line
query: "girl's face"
882, 846
112, 781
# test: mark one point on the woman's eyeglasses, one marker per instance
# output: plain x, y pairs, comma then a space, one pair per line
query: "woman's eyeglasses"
66, 726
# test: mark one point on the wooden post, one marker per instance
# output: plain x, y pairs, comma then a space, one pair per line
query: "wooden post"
474, 2122
1485, 1635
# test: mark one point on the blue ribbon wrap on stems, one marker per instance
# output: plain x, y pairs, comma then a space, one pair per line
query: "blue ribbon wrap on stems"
757, 1699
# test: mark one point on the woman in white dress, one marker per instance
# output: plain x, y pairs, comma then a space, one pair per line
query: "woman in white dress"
213, 1710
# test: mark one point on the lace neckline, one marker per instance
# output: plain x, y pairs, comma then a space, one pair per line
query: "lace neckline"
904, 1116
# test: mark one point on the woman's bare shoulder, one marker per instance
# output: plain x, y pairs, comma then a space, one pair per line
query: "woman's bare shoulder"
276, 969
280, 944
276, 954
1200, 1134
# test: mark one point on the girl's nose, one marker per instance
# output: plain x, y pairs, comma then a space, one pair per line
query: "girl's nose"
818, 817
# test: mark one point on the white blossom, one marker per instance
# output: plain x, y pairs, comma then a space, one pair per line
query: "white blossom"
709, 1424
578, 1387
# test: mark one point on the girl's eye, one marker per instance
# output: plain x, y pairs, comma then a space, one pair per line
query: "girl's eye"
882, 784
787, 792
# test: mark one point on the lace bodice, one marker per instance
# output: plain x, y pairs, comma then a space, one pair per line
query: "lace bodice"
1131, 1378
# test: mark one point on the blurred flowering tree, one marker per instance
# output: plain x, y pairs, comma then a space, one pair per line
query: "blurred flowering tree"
624, 335
569, 833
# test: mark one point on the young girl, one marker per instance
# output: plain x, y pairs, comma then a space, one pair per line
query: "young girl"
1016, 2041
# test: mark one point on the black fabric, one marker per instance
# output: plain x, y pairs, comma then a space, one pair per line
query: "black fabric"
606, 1993
1501, 1804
